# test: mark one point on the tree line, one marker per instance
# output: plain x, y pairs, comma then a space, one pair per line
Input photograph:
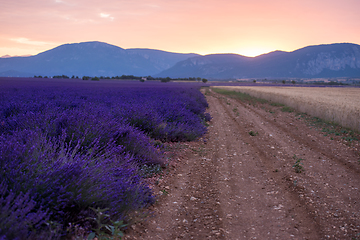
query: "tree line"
127, 77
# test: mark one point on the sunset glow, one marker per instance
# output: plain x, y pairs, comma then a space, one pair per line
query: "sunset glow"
233, 26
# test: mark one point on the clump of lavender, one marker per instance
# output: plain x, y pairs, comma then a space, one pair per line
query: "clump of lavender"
19, 215
65, 179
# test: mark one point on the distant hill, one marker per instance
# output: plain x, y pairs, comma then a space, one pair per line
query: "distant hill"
102, 59
93, 59
333, 60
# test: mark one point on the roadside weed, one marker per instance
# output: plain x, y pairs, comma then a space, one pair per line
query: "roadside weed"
287, 109
298, 166
164, 192
334, 130
235, 110
277, 104
105, 228
252, 133
148, 171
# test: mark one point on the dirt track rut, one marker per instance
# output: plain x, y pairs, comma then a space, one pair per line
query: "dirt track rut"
231, 185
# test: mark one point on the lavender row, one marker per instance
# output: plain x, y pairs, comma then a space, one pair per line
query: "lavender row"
67, 148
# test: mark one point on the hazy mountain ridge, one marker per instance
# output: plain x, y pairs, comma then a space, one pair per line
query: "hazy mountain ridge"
93, 59
332, 60
102, 59
160, 58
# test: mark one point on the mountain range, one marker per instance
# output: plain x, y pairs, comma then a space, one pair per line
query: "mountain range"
102, 59
92, 59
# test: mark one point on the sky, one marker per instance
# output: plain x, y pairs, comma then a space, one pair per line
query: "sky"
246, 27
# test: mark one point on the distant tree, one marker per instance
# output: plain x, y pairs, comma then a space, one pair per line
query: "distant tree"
72, 77
293, 82
283, 81
254, 81
85, 78
204, 80
61, 76
167, 79
95, 79
199, 78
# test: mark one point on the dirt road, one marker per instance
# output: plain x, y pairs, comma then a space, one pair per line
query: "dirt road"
240, 182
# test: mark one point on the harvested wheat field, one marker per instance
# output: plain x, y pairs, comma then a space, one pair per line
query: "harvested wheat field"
340, 105
259, 173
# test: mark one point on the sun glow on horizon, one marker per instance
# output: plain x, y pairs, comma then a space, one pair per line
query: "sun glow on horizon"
253, 52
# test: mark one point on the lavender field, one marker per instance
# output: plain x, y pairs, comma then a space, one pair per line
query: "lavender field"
70, 146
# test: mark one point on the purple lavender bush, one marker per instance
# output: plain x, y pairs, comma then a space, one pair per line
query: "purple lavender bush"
74, 147
18, 214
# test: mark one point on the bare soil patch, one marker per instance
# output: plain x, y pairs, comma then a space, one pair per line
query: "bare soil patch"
259, 173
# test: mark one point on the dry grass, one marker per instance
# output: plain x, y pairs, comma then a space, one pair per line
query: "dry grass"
339, 105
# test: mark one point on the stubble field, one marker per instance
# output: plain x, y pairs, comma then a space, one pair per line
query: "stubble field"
340, 105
